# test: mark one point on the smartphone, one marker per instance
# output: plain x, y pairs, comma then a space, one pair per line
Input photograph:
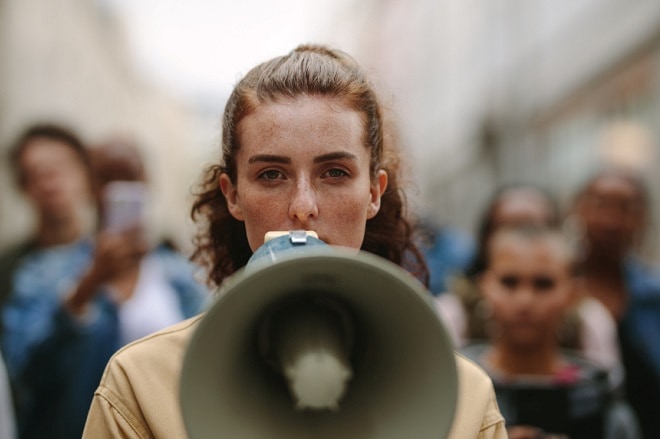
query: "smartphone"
123, 205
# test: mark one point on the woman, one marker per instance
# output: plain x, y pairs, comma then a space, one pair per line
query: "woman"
51, 169
613, 207
529, 284
303, 148
511, 205
586, 326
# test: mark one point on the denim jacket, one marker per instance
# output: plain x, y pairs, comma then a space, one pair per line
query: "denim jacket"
641, 323
639, 336
55, 360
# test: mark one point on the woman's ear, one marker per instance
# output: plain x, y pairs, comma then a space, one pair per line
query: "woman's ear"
378, 187
231, 195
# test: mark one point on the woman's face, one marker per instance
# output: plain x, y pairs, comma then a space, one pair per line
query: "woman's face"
54, 178
303, 165
613, 213
528, 287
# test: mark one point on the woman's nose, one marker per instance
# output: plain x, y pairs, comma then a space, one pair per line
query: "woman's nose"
524, 296
303, 206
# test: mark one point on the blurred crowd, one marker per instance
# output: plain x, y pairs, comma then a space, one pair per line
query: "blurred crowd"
89, 280
553, 302
560, 310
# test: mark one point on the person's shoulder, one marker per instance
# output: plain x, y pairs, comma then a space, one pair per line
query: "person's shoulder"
176, 334
69, 257
174, 262
643, 279
139, 388
477, 412
474, 381
159, 350
473, 371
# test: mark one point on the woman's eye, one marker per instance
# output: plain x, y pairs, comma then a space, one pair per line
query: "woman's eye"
270, 175
510, 282
543, 283
335, 173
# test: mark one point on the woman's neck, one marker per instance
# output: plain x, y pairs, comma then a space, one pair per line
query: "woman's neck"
58, 232
512, 360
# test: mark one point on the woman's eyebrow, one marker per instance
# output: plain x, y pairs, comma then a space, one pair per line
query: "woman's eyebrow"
339, 155
268, 158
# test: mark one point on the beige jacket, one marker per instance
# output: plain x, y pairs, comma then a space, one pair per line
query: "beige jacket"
138, 394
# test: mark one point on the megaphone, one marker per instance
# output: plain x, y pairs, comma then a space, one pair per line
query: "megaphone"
315, 341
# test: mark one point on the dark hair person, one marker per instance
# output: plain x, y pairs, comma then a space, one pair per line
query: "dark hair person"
302, 149
50, 132
512, 205
613, 209
586, 327
51, 168
518, 204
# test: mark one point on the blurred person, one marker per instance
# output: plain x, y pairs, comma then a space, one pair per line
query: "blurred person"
529, 283
51, 167
586, 328
512, 205
613, 210
447, 252
72, 306
302, 149
119, 170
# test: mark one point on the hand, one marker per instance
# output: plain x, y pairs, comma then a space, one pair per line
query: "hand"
117, 254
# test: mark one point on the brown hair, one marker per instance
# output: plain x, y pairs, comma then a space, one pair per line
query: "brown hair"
221, 241
51, 132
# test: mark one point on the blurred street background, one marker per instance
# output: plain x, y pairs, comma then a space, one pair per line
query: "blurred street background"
482, 92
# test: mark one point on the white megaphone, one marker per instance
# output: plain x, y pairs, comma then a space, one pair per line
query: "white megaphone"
314, 341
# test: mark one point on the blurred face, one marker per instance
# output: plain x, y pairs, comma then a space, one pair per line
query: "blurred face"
613, 214
522, 207
303, 165
54, 177
528, 287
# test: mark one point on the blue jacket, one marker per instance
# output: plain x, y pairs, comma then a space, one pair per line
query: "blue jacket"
640, 325
639, 337
448, 254
56, 360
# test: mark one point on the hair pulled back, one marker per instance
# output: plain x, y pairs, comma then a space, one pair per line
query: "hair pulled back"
309, 70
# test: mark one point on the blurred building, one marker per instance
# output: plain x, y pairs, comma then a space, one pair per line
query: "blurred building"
66, 61
488, 92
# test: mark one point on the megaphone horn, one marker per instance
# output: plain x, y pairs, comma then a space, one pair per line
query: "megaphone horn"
319, 342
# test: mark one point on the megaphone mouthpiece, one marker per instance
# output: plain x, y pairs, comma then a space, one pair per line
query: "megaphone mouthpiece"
317, 380
308, 341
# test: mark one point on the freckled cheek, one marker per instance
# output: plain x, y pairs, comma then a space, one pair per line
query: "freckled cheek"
349, 211
260, 210
343, 222
265, 209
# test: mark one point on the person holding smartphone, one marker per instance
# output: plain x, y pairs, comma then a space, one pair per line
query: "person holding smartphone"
76, 304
